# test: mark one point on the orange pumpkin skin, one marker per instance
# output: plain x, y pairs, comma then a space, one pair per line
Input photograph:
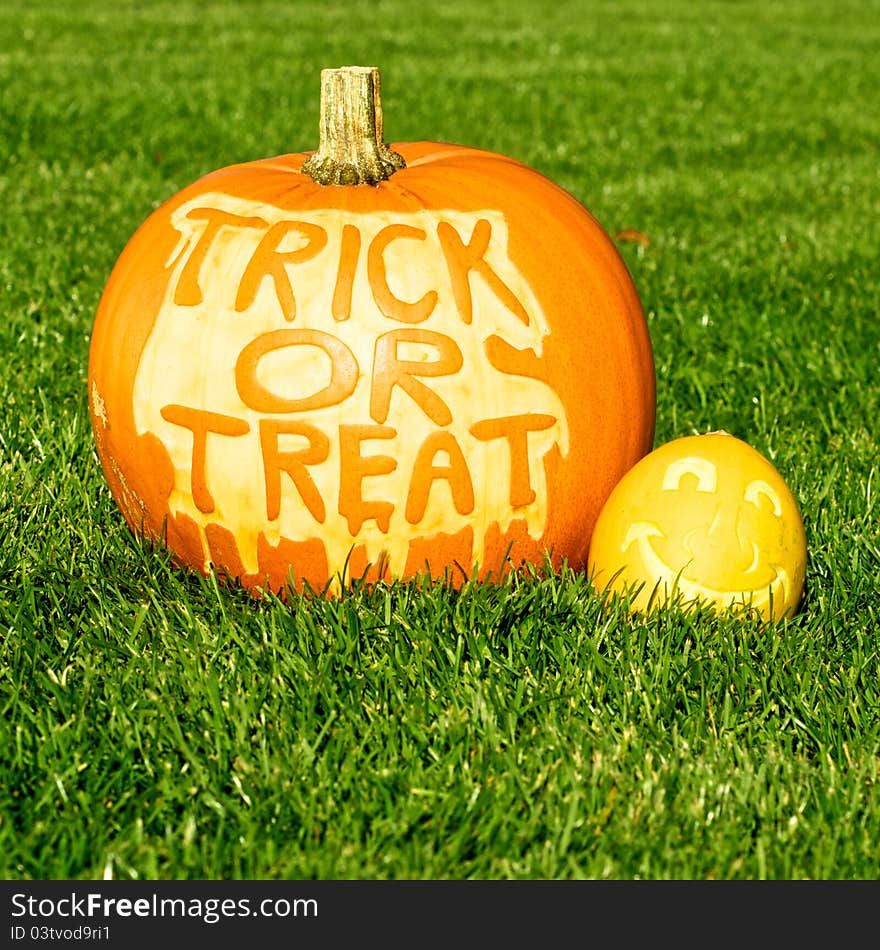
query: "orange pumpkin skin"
222, 406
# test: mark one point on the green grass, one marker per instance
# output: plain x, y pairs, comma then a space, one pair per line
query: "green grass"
155, 725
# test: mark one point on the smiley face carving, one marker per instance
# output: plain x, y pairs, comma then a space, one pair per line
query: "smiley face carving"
707, 518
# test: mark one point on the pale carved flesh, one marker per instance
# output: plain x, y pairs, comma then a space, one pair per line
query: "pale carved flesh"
363, 410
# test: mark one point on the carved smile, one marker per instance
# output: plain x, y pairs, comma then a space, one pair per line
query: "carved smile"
777, 588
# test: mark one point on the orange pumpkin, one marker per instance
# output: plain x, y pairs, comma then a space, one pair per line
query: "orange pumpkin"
371, 360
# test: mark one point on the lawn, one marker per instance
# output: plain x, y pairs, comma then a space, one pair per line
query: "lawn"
156, 724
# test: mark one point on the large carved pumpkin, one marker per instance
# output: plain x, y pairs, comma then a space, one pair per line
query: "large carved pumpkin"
371, 360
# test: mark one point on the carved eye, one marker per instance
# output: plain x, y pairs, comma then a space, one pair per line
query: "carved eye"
705, 471
758, 487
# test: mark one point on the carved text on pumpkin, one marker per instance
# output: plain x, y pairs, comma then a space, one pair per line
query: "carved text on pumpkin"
461, 257
372, 375
354, 466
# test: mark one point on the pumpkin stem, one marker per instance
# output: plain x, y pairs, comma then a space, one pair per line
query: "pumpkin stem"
351, 149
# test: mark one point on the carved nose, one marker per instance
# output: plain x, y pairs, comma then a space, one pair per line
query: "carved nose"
723, 541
